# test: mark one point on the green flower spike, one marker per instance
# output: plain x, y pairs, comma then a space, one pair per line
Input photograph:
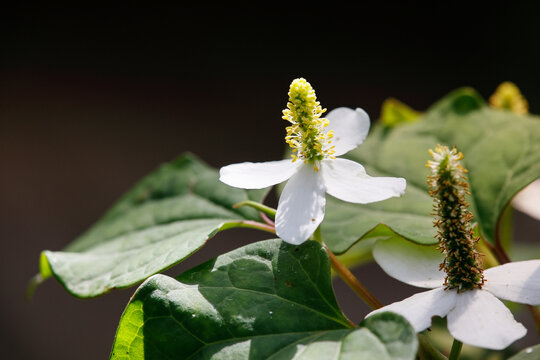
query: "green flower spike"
448, 187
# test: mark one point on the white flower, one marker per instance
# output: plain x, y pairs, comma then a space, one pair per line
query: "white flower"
301, 205
475, 317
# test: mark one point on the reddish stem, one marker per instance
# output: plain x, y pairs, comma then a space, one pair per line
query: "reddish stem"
352, 281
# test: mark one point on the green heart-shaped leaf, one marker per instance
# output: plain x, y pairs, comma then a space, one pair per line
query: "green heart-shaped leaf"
502, 154
267, 300
166, 217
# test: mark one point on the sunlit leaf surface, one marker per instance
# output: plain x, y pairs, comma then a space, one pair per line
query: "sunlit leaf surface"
267, 300
162, 220
502, 154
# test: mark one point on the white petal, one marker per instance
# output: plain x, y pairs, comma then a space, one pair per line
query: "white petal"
416, 265
301, 206
347, 180
480, 319
528, 200
350, 128
516, 281
420, 308
250, 175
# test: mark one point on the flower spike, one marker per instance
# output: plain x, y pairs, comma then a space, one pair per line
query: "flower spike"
306, 134
508, 97
464, 293
448, 187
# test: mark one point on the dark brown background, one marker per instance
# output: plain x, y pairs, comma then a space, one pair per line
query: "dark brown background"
92, 99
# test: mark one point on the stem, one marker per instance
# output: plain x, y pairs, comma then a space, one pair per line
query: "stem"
500, 253
456, 349
250, 225
263, 208
498, 249
352, 281
426, 350
266, 219
489, 258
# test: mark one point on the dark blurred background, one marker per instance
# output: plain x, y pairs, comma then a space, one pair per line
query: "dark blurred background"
92, 99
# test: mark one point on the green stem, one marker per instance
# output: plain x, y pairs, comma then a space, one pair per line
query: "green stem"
265, 209
456, 349
426, 350
248, 224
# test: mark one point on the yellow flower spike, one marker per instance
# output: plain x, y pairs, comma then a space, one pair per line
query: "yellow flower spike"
306, 133
507, 96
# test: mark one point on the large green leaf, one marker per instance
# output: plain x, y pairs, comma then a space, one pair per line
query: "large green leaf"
267, 300
502, 154
165, 218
